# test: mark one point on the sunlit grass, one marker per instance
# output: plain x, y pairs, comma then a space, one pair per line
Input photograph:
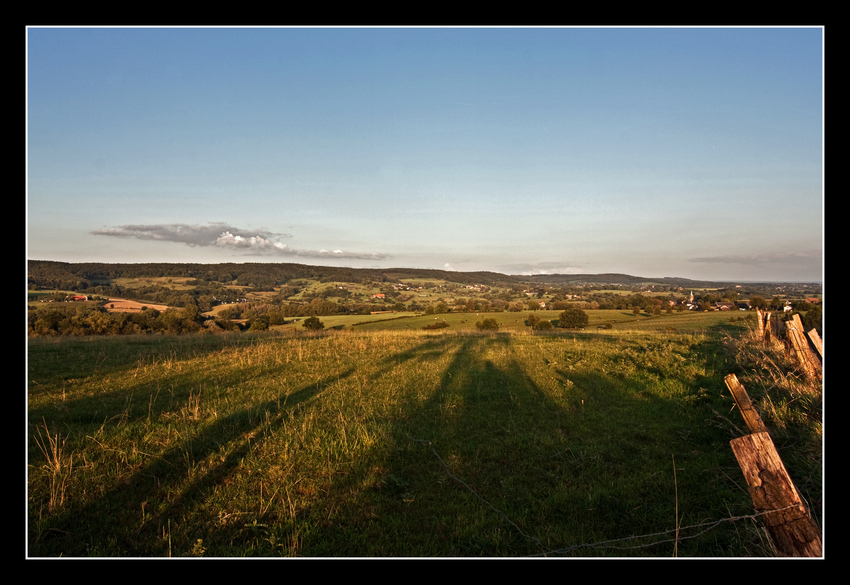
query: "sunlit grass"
356, 444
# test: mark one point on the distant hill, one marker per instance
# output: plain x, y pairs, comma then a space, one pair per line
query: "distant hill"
624, 279
79, 276
83, 275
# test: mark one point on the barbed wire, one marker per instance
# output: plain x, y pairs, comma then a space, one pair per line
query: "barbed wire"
604, 544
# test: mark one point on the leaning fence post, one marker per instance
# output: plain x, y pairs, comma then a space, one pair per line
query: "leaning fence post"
817, 342
745, 405
792, 530
801, 347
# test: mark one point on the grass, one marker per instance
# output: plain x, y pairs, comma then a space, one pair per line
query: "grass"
791, 406
383, 444
621, 320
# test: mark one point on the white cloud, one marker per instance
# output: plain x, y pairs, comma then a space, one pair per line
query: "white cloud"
256, 242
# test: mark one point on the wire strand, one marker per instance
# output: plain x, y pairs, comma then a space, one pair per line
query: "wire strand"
604, 544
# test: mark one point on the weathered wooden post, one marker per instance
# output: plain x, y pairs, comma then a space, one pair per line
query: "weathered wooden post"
791, 528
759, 324
768, 326
745, 405
800, 346
777, 325
816, 341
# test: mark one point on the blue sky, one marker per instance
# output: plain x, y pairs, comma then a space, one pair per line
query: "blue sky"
694, 152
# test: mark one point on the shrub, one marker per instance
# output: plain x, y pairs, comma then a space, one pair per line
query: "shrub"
572, 318
313, 324
259, 323
813, 319
487, 325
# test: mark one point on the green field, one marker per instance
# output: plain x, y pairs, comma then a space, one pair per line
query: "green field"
516, 321
359, 443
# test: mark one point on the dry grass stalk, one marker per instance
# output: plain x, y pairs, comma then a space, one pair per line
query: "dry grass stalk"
59, 464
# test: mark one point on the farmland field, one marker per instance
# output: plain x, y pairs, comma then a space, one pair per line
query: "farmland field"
516, 321
125, 306
390, 443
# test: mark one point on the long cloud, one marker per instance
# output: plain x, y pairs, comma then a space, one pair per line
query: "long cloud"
808, 257
222, 235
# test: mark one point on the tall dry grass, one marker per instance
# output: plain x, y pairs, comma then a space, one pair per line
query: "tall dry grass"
791, 405
58, 467
774, 378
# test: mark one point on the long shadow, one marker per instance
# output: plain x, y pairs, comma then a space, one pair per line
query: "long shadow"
108, 403
109, 355
467, 423
430, 350
491, 465
109, 516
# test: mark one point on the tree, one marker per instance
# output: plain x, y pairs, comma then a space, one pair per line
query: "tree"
813, 319
572, 318
260, 323
313, 324
487, 325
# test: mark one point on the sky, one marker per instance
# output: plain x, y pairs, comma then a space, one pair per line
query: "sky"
689, 152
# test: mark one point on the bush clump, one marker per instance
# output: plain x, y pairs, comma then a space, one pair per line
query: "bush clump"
313, 324
573, 318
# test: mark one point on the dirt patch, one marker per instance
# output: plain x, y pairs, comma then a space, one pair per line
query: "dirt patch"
125, 306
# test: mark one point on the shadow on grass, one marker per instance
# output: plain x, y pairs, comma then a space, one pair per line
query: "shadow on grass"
147, 498
485, 461
493, 465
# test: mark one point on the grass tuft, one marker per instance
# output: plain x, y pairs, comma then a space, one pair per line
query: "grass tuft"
59, 464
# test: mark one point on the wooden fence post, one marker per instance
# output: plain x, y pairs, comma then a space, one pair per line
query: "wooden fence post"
745, 405
816, 341
791, 528
759, 323
767, 328
800, 345
777, 325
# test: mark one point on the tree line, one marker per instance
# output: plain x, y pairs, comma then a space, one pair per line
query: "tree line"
95, 320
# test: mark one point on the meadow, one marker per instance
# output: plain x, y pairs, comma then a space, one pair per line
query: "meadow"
392, 443
517, 322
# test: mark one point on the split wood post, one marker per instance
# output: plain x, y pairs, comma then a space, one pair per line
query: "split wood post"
800, 345
777, 325
792, 530
745, 405
767, 330
816, 341
760, 323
